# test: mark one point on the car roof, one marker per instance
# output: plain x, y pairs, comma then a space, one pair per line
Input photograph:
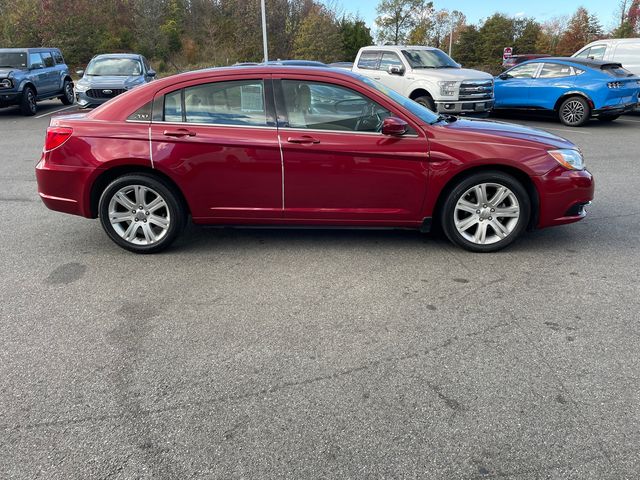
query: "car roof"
118, 55
300, 63
405, 47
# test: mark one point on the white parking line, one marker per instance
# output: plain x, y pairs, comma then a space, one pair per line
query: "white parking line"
56, 111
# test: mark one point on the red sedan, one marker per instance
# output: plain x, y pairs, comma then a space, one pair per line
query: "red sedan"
287, 146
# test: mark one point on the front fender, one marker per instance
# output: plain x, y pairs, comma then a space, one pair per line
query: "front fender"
422, 84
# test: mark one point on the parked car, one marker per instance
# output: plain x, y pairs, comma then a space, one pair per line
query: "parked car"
625, 51
28, 75
109, 75
291, 146
514, 60
296, 63
345, 65
574, 89
428, 76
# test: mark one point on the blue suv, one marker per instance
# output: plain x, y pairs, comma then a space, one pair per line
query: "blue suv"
28, 75
574, 89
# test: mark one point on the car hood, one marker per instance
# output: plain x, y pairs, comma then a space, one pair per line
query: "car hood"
452, 74
504, 131
111, 81
5, 72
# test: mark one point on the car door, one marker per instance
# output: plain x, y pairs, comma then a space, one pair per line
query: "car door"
218, 139
394, 81
38, 73
512, 87
338, 167
549, 84
52, 82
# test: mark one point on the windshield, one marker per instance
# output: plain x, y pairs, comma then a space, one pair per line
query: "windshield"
13, 60
423, 113
429, 59
114, 66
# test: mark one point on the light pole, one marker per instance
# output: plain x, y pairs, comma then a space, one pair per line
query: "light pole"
450, 34
264, 32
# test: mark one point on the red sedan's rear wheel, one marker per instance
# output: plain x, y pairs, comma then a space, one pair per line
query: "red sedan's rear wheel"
141, 213
486, 211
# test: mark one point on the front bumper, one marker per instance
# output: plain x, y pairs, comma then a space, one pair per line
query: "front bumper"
455, 107
9, 98
85, 101
564, 194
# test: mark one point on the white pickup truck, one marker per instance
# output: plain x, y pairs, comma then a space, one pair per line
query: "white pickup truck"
428, 76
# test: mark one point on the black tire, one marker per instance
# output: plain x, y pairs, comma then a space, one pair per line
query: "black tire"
426, 101
67, 97
174, 211
515, 226
608, 118
28, 103
574, 112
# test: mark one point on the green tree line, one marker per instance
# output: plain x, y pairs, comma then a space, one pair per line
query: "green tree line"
181, 34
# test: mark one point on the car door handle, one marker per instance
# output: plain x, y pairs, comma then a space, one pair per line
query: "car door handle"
180, 132
376, 78
304, 139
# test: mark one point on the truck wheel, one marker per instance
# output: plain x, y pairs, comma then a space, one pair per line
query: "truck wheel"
67, 93
574, 112
426, 101
28, 104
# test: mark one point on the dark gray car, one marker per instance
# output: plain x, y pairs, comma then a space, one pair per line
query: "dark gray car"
109, 75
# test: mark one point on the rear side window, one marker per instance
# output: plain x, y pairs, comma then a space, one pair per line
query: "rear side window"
47, 59
173, 107
240, 102
57, 56
555, 70
368, 60
143, 114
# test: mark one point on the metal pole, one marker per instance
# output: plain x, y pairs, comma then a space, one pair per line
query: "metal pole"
264, 32
450, 35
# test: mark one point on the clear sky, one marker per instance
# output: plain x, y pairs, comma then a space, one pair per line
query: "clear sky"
476, 10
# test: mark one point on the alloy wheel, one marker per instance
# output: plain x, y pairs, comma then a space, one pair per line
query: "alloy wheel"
68, 91
573, 112
486, 213
139, 215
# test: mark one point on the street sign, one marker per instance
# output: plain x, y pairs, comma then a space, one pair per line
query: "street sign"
508, 51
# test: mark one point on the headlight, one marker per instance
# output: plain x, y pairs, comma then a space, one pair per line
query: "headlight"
81, 88
569, 159
447, 89
6, 83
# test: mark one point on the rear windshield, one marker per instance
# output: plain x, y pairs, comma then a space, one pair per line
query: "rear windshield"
13, 60
114, 66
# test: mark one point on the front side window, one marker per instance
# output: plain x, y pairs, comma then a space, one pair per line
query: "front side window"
240, 102
555, 70
117, 67
389, 59
368, 60
35, 60
524, 71
322, 106
597, 52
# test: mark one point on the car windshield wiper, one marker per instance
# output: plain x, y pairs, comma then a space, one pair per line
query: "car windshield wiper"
447, 66
424, 66
444, 118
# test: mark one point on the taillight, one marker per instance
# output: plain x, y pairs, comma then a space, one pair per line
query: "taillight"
56, 136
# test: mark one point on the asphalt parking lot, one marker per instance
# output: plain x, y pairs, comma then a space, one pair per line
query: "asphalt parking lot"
320, 354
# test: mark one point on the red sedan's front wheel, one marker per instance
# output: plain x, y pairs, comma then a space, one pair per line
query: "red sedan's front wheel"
486, 211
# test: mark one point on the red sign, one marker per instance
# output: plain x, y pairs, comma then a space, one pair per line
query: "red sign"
508, 51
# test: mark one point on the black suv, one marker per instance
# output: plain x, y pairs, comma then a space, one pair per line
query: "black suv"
28, 75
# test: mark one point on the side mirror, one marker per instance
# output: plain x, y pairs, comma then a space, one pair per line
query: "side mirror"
151, 73
394, 126
504, 76
80, 72
395, 70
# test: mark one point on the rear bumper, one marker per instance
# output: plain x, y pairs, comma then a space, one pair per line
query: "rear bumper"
564, 194
455, 107
63, 188
616, 109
